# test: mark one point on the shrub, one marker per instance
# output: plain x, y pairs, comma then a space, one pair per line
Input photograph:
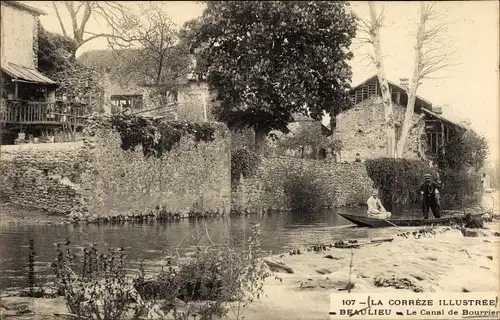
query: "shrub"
460, 187
101, 290
243, 162
397, 180
468, 149
209, 283
459, 162
303, 193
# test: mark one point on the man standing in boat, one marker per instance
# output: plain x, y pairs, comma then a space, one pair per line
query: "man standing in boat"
429, 193
375, 207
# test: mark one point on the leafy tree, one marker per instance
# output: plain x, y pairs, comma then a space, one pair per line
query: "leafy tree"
467, 149
267, 60
188, 36
55, 52
310, 135
463, 152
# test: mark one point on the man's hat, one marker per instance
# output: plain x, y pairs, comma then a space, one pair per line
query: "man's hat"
427, 175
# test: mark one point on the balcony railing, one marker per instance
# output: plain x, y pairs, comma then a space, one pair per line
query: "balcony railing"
29, 112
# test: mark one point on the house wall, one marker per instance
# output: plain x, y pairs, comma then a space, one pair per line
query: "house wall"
361, 130
18, 31
194, 100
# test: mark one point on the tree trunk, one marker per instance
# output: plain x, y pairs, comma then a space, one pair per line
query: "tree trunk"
414, 83
333, 126
260, 140
384, 85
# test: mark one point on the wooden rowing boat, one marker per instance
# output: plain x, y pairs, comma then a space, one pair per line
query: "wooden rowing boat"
370, 222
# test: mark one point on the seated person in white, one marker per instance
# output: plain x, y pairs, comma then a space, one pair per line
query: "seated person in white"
375, 207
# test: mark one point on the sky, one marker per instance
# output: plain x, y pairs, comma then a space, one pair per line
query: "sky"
468, 91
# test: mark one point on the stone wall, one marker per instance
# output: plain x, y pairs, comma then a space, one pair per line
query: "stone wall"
345, 184
361, 130
190, 177
42, 176
81, 82
99, 176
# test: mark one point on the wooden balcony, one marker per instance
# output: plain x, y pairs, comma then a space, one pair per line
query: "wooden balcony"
44, 113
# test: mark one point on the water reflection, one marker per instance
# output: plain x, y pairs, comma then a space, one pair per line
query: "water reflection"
151, 242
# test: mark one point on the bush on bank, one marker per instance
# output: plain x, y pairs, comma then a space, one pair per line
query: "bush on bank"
244, 162
397, 180
304, 193
210, 283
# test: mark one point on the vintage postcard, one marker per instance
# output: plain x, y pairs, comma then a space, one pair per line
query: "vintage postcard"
249, 160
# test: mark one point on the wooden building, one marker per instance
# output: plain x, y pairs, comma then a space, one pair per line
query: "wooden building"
28, 107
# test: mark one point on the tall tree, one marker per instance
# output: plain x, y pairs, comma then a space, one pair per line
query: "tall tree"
270, 59
159, 60
372, 29
431, 54
112, 13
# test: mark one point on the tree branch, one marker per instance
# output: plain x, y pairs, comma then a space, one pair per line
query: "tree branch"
58, 15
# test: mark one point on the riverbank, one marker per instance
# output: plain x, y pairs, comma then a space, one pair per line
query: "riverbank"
12, 214
441, 260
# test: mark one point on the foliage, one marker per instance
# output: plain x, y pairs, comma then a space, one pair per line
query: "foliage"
55, 52
270, 59
397, 180
188, 36
31, 267
303, 193
467, 149
460, 187
101, 290
158, 137
310, 135
209, 283
243, 162
459, 161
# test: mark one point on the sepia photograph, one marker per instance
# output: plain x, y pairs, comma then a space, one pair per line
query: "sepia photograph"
249, 160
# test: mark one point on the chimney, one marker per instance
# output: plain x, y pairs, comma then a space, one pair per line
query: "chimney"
404, 83
437, 109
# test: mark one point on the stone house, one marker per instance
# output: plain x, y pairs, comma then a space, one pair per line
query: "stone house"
28, 106
191, 102
361, 129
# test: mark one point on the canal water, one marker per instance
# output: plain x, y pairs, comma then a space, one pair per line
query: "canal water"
150, 244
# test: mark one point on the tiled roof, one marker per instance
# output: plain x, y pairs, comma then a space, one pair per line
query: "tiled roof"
23, 73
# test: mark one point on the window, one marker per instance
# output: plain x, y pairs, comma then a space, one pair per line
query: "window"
434, 136
133, 102
396, 98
